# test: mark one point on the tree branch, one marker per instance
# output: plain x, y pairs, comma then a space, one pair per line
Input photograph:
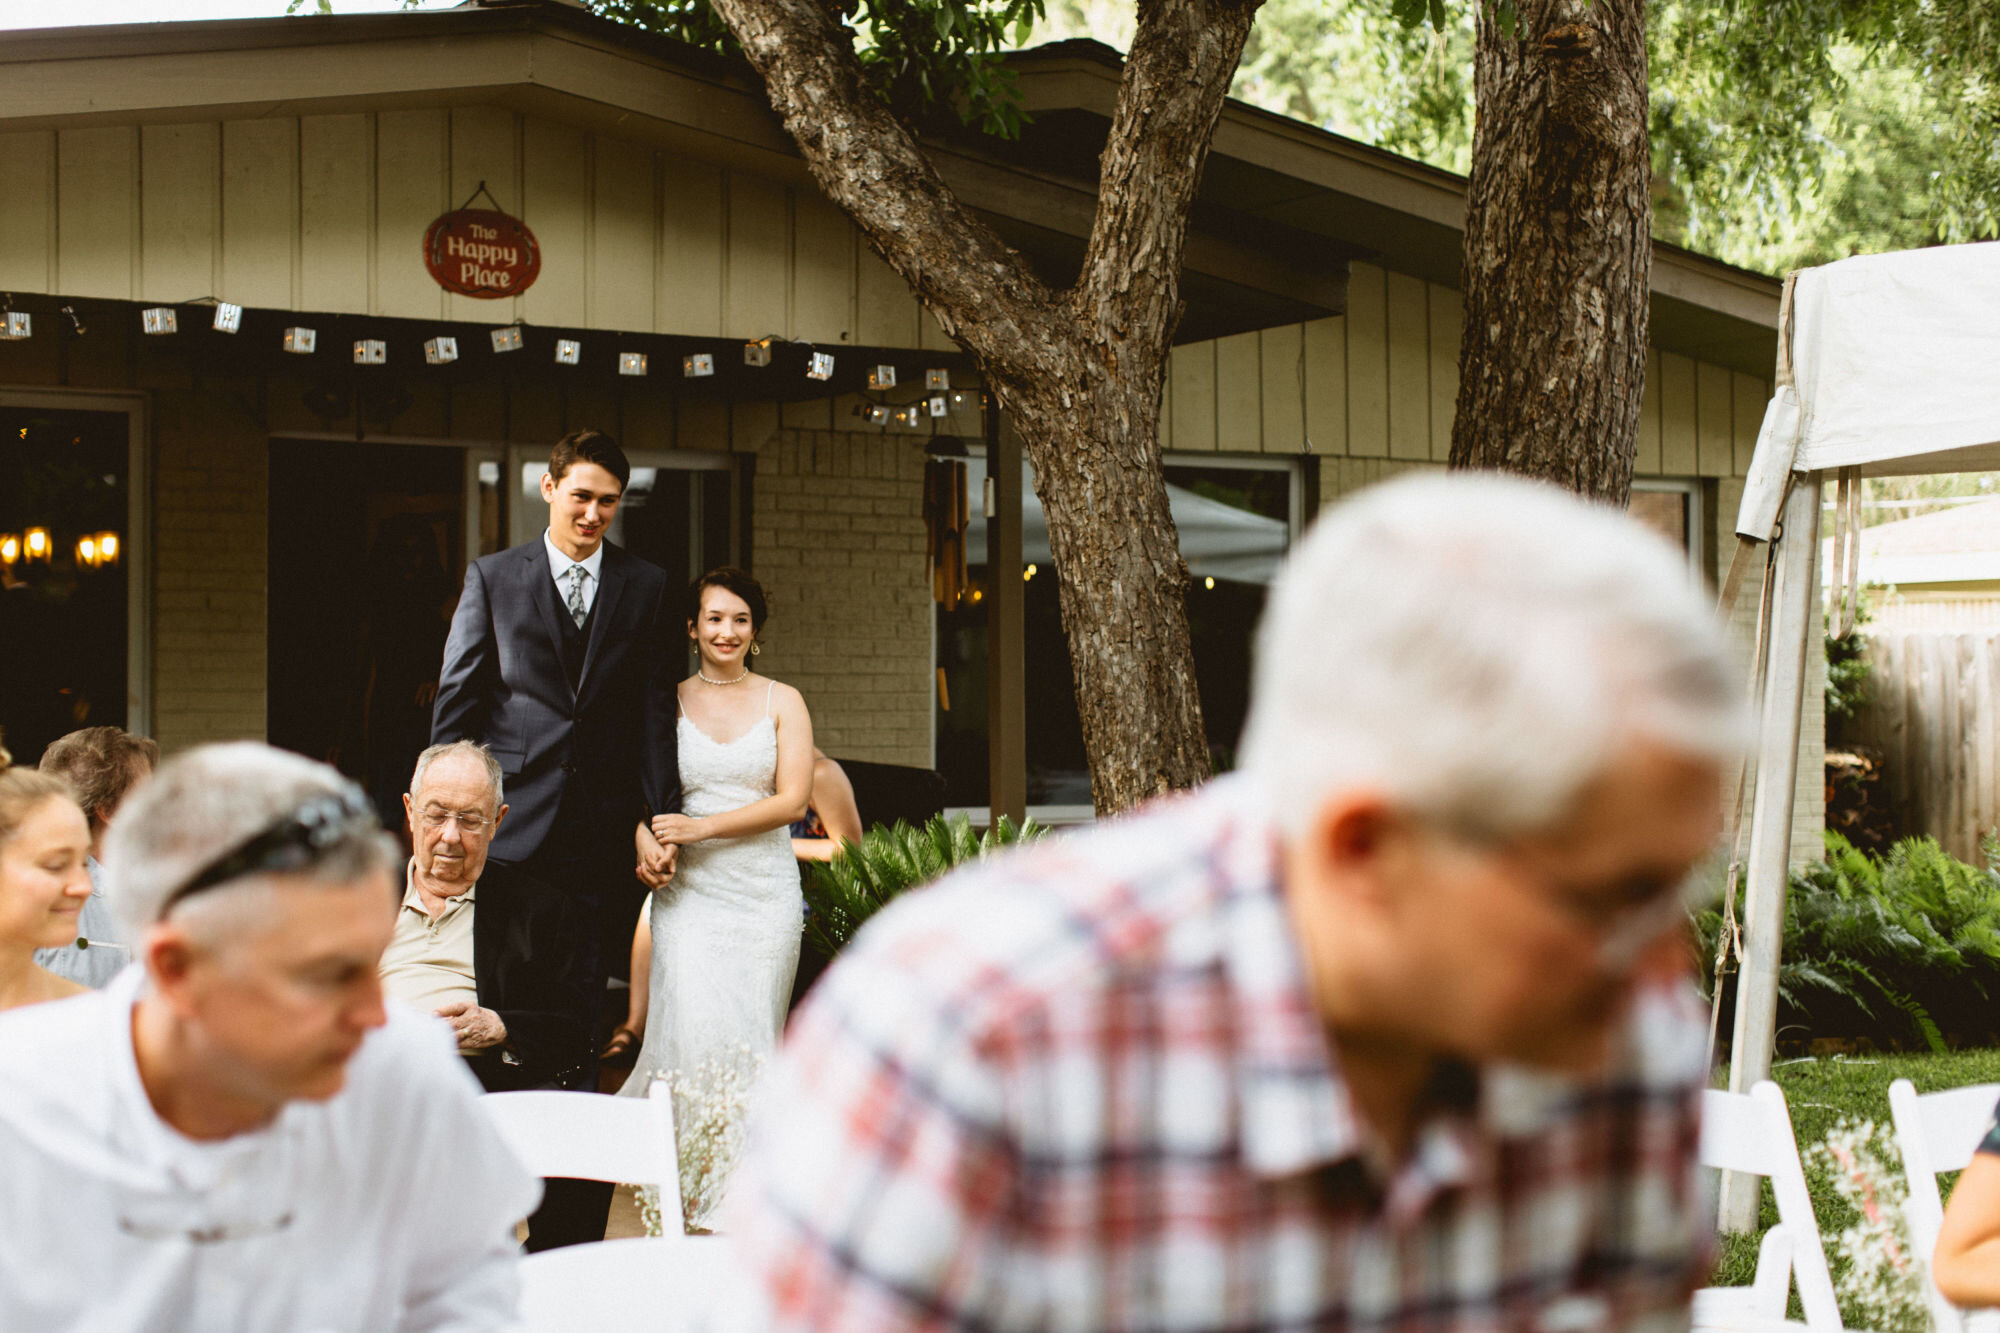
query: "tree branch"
1184, 54
871, 165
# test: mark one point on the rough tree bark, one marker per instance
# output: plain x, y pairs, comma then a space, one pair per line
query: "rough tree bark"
1080, 369
1558, 247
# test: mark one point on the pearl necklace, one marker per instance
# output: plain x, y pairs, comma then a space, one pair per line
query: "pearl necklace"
707, 679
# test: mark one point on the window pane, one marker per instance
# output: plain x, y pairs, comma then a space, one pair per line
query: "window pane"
1234, 530
63, 561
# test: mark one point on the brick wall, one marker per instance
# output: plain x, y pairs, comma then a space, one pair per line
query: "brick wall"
838, 542
210, 489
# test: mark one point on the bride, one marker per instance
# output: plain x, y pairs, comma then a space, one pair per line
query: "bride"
726, 928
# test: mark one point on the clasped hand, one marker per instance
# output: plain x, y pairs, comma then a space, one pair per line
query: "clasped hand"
656, 862
476, 1028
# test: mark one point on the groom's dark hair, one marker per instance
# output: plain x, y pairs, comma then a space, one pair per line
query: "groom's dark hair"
589, 446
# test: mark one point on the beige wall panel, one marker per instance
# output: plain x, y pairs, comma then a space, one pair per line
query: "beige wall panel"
28, 211
1715, 444
1646, 459
180, 188
760, 259
1409, 368
886, 310
691, 254
1447, 325
260, 212
1368, 362
555, 203
1748, 395
1194, 396
1326, 385
1239, 385
97, 184
336, 200
622, 247
823, 265
1284, 396
413, 189
485, 146
1677, 416
931, 333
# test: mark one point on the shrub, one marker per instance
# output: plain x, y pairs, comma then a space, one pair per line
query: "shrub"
890, 860
1897, 949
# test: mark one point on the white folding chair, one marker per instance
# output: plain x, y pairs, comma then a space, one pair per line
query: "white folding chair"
1752, 1133
663, 1284
587, 1136
1938, 1131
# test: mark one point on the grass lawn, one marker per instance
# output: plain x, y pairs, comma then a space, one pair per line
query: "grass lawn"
1824, 1091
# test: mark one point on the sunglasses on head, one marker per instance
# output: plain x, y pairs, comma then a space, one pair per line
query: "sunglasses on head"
291, 843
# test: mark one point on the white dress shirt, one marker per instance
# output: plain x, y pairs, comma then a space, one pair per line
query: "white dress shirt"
99, 952
561, 565
387, 1208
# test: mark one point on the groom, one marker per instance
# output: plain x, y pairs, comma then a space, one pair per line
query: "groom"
562, 660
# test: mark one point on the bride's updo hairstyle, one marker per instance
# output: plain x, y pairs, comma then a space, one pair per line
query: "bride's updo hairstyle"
730, 579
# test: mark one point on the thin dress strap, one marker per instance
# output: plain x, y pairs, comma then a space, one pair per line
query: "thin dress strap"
767, 697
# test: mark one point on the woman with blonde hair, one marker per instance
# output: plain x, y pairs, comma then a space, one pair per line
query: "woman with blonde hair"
44, 840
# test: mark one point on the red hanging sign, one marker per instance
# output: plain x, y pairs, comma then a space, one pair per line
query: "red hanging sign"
481, 252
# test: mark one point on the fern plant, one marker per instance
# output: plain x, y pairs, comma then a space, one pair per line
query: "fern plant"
890, 860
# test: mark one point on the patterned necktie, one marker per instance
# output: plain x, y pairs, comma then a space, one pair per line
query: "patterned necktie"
577, 610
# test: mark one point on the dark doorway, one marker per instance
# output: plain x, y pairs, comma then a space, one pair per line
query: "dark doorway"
367, 556
64, 553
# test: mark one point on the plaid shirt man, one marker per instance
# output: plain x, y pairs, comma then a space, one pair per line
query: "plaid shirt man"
1086, 1087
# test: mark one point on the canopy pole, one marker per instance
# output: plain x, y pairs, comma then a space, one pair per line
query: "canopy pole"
1769, 864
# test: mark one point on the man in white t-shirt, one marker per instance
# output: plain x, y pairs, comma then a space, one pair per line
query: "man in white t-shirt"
238, 1135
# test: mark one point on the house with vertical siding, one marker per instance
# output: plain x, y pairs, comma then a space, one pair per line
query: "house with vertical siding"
288, 526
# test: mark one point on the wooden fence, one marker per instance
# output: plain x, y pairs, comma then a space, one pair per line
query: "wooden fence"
1933, 712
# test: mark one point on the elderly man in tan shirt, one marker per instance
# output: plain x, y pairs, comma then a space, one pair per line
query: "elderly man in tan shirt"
492, 951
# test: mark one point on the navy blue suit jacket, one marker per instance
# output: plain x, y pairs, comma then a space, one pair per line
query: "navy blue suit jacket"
603, 753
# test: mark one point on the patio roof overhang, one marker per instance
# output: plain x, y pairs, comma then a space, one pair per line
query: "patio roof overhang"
1284, 207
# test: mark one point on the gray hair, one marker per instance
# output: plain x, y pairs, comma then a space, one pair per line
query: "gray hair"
1477, 648
455, 749
203, 804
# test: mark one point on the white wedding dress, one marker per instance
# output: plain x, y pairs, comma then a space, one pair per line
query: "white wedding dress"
725, 949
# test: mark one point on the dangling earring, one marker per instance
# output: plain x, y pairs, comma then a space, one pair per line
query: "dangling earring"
756, 648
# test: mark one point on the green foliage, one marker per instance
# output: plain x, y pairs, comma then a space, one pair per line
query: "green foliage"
931, 61
890, 860
1821, 1093
1849, 673
1896, 949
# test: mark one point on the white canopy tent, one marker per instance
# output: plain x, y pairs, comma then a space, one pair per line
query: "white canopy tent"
1887, 365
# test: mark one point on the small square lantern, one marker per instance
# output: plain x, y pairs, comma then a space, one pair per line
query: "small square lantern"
568, 351
938, 406
631, 363
698, 365
228, 318
16, 326
159, 319
441, 351
882, 377
937, 381
301, 341
878, 416
370, 352
507, 339
757, 353
821, 366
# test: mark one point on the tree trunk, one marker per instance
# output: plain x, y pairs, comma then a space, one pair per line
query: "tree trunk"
1558, 247
1081, 370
